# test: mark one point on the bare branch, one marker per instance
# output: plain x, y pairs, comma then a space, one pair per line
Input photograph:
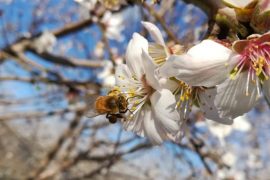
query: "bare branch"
37, 114
66, 61
53, 152
159, 18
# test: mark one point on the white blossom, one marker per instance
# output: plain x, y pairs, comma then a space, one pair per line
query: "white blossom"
113, 25
45, 42
151, 103
238, 73
199, 76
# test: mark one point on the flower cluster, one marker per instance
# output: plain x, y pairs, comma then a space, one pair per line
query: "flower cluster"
162, 84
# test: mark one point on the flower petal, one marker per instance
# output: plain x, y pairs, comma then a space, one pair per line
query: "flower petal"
150, 67
205, 64
207, 98
239, 46
154, 32
163, 105
136, 124
150, 130
133, 54
231, 99
124, 79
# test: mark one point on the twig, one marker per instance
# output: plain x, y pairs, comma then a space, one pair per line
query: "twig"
52, 153
94, 86
197, 148
170, 34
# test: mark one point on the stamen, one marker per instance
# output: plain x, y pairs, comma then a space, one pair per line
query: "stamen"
255, 58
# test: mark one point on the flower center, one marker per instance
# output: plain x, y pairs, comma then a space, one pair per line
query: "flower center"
149, 90
255, 59
159, 53
137, 96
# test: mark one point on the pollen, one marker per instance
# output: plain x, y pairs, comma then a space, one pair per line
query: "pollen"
131, 92
255, 60
134, 77
121, 77
258, 65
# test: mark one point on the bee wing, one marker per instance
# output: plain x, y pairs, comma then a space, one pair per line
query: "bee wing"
90, 106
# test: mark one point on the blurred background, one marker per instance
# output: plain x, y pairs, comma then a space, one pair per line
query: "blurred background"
56, 55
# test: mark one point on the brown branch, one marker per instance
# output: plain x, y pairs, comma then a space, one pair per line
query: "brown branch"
210, 8
117, 156
66, 61
72, 28
93, 86
198, 149
106, 42
160, 19
53, 152
66, 163
37, 114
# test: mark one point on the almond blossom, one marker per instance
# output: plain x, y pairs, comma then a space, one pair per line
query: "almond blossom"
238, 73
151, 104
198, 75
158, 49
45, 42
114, 25
186, 94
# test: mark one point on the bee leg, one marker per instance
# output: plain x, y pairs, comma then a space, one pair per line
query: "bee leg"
112, 118
124, 111
118, 115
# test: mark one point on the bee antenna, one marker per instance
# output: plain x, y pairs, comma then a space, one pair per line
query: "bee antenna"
132, 97
130, 111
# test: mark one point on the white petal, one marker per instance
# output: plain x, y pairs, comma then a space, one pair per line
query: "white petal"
123, 77
150, 67
133, 54
163, 105
231, 99
136, 123
207, 98
154, 32
205, 64
150, 130
266, 89
167, 83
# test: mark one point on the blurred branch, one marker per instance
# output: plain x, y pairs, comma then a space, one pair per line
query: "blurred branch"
66, 162
52, 153
67, 61
106, 42
72, 28
88, 84
198, 149
117, 157
38, 114
210, 8
159, 18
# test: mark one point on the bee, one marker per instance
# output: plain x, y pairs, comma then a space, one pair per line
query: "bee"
114, 105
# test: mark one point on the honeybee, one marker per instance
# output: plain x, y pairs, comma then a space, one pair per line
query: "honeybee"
113, 105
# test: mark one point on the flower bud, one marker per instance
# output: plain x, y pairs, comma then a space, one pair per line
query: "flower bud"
260, 21
243, 8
